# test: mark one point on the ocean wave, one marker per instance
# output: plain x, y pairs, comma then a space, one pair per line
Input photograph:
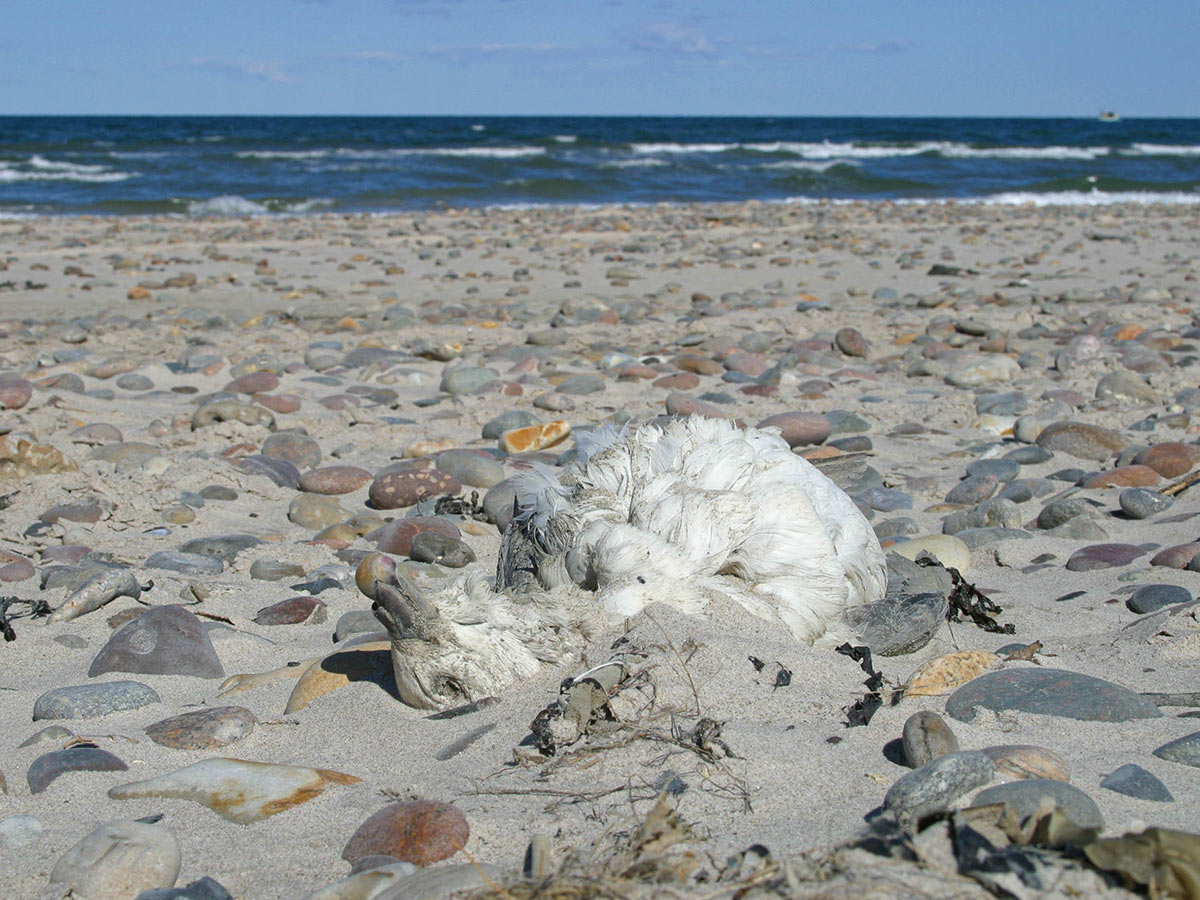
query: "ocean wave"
821, 150
682, 148
565, 138
962, 151
641, 163
808, 165
282, 154
1162, 150
1087, 198
394, 152
235, 205
37, 168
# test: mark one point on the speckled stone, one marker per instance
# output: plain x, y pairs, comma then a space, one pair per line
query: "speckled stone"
164, 640
397, 489
1134, 781
937, 783
203, 729
1050, 692
1024, 797
1139, 503
85, 701
898, 624
973, 489
80, 758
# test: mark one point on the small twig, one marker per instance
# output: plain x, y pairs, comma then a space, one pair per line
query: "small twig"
1178, 487
682, 664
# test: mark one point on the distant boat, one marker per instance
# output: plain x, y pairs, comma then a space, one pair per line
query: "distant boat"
1109, 116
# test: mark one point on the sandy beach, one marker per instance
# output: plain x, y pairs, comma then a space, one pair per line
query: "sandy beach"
144, 363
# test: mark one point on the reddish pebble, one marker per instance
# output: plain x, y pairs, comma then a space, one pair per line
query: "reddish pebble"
14, 392
680, 404
21, 570
292, 611
701, 365
417, 831
636, 371
341, 401
254, 383
1170, 459
760, 390
681, 381
334, 479
799, 429
399, 489
397, 537
851, 342
747, 363
1103, 556
280, 403
1176, 557
1123, 476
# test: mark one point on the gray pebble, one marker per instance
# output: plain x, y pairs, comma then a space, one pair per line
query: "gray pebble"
1049, 692
1185, 750
1134, 781
926, 736
973, 489
1025, 796
84, 701
226, 546
80, 758
433, 547
938, 783
1140, 503
185, 563
886, 499
898, 624
164, 640
471, 467
1003, 469
1152, 597
202, 889
506, 421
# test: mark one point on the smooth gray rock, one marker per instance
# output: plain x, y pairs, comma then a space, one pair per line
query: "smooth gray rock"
1050, 692
1134, 781
926, 736
938, 783
1152, 597
226, 546
1141, 503
507, 421
281, 471
1025, 796
466, 380
974, 489
20, 831
164, 640
357, 622
80, 758
185, 563
83, 701
470, 467
1185, 750
498, 504
118, 858
202, 889
434, 547
900, 623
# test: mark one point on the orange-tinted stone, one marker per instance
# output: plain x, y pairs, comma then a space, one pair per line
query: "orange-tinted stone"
1123, 476
535, 437
1170, 459
416, 831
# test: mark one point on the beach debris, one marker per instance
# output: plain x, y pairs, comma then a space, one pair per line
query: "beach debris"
863, 709
37, 609
967, 600
239, 790
101, 588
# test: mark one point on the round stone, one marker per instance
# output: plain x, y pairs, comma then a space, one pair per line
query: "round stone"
1152, 597
394, 490
1139, 503
397, 537
1103, 556
315, 511
466, 380
434, 547
470, 467
280, 471
799, 429
203, 729
1177, 557
1082, 440
164, 640
416, 831
926, 736
1027, 761
1185, 750
85, 701
507, 421
1024, 797
851, 342
1050, 692
973, 489
299, 449
185, 563
14, 393
937, 783
334, 479
292, 611
253, 383
275, 570
119, 860
1122, 476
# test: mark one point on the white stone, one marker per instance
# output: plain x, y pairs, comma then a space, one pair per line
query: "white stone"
118, 861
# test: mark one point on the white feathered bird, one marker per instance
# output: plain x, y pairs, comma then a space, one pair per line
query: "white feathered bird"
686, 514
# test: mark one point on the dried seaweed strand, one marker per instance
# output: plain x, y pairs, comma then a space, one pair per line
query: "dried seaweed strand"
37, 608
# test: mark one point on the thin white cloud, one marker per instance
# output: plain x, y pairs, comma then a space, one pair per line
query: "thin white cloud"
890, 45
383, 56
258, 69
491, 51
672, 38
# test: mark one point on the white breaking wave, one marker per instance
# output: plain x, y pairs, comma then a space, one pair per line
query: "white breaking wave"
1162, 150
565, 138
235, 205
282, 154
644, 163
961, 151
1088, 198
809, 165
682, 148
822, 150
394, 152
38, 168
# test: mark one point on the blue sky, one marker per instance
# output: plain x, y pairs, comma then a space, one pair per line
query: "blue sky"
599, 57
